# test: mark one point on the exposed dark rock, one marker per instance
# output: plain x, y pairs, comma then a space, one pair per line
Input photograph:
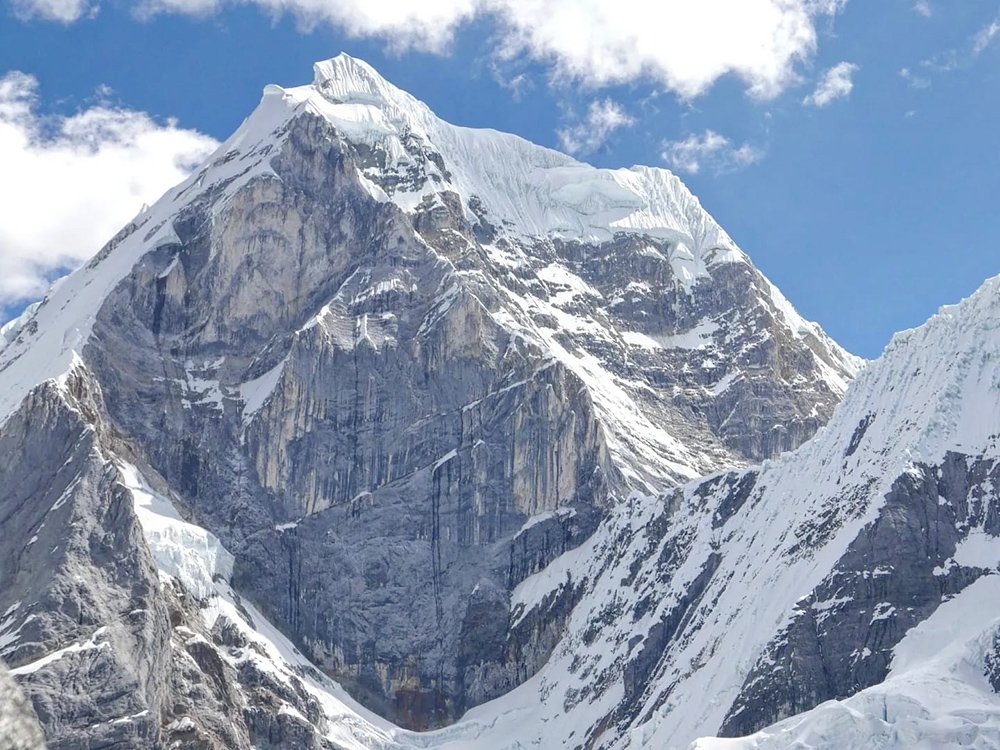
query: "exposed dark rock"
392, 419
892, 577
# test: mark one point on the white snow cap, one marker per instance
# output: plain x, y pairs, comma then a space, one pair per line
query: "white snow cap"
528, 190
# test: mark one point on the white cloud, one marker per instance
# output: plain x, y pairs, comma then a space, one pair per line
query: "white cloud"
834, 84
603, 118
708, 150
64, 11
683, 45
923, 8
959, 58
945, 62
916, 81
69, 183
985, 36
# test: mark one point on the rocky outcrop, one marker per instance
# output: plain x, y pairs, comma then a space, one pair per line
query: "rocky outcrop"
19, 728
105, 649
893, 576
85, 631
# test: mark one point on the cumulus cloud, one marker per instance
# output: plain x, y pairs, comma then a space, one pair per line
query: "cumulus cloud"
836, 83
708, 151
603, 118
69, 183
685, 46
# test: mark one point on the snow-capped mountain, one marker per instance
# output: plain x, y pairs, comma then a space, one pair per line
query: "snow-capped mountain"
377, 422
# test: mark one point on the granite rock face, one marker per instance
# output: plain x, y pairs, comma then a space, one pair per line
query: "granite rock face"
107, 651
78, 585
892, 577
405, 438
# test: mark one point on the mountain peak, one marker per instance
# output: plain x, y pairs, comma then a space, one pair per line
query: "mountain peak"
346, 80
435, 369
528, 190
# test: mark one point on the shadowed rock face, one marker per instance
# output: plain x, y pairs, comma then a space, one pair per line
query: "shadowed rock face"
717, 345
892, 577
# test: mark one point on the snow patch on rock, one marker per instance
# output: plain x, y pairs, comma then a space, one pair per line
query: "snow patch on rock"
180, 549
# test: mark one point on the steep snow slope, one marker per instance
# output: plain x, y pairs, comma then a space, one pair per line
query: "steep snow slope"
938, 693
530, 191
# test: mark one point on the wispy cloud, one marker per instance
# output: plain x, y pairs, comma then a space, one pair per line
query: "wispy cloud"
944, 62
835, 83
985, 36
71, 182
603, 118
957, 58
683, 46
923, 8
708, 151
915, 80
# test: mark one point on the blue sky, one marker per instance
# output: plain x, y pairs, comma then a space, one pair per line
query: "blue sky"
870, 201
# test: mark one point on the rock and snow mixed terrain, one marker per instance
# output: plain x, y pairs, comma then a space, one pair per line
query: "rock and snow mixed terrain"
377, 425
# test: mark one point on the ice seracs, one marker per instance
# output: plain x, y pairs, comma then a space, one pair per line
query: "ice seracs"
527, 190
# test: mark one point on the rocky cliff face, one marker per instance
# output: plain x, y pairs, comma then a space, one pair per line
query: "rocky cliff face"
79, 591
383, 376
104, 591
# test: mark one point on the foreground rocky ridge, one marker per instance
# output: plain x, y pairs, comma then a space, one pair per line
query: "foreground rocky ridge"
342, 381
18, 726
